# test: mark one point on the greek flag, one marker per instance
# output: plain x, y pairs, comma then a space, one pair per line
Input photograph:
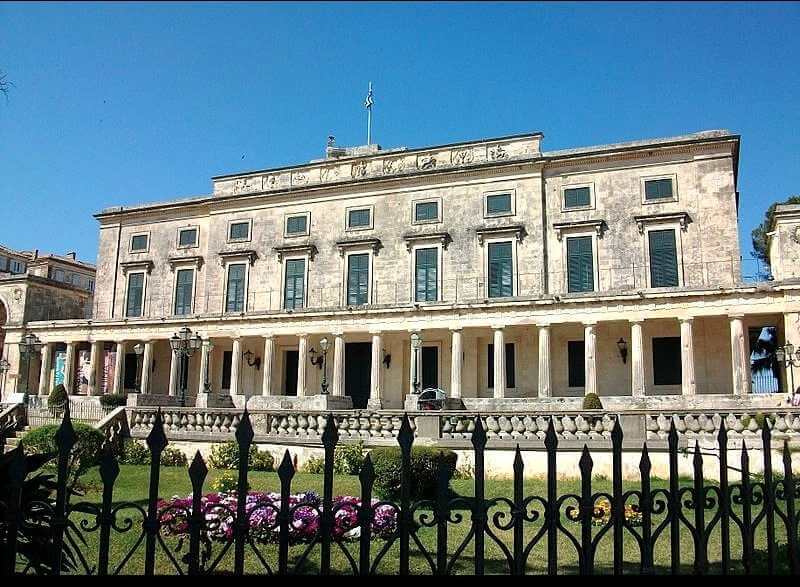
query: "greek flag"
369, 102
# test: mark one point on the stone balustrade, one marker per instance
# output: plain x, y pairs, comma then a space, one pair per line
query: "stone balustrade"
507, 426
12, 417
740, 424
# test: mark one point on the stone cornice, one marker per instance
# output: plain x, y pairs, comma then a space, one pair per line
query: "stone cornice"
598, 225
309, 249
372, 243
128, 266
681, 218
196, 261
249, 254
517, 230
443, 237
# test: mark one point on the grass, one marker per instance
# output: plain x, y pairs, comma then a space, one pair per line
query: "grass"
132, 487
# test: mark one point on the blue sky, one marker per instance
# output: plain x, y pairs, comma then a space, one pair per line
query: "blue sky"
124, 103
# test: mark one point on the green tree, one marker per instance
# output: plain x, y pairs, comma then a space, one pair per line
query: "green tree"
759, 234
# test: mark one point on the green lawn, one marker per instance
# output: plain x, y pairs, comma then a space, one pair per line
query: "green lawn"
132, 487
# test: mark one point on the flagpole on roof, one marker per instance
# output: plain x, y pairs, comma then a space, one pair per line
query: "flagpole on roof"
368, 105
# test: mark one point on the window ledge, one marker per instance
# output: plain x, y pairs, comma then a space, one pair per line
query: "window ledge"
598, 225
373, 243
250, 255
147, 265
195, 260
442, 237
681, 218
307, 249
516, 230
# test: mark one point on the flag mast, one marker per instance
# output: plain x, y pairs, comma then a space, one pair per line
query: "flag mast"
368, 105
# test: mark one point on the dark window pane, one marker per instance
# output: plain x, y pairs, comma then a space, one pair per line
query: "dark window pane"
667, 360
183, 292
135, 295
188, 238
576, 363
663, 258
358, 218
501, 271
139, 242
580, 264
358, 280
426, 211
296, 225
511, 376
235, 295
294, 287
577, 197
239, 231
656, 189
498, 204
426, 281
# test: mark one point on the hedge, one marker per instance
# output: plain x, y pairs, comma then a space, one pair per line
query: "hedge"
387, 463
85, 452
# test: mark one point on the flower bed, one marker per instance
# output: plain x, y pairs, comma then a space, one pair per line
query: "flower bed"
219, 511
601, 514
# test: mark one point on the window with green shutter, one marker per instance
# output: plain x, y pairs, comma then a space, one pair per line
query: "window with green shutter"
426, 211
576, 363
297, 224
234, 300
511, 376
358, 218
498, 204
663, 258
580, 264
133, 306
426, 263
183, 292
667, 369
657, 189
294, 284
358, 280
577, 197
501, 270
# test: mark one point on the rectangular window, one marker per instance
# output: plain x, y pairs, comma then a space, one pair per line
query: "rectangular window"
577, 197
294, 285
426, 263
501, 270
511, 376
239, 231
234, 300
297, 225
576, 363
498, 204
184, 283
426, 211
580, 264
663, 258
357, 280
358, 218
138, 243
658, 189
667, 360
187, 237
133, 307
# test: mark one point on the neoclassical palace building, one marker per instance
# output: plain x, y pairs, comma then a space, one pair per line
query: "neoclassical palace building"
528, 277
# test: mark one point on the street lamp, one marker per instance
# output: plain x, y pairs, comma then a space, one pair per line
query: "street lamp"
29, 346
416, 345
138, 349
790, 358
184, 344
4, 367
324, 345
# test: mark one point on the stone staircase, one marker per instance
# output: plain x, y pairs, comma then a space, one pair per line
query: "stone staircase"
13, 441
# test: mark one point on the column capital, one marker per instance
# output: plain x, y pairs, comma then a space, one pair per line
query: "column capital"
498, 326
637, 320
589, 323
456, 329
686, 319
375, 331
542, 325
735, 316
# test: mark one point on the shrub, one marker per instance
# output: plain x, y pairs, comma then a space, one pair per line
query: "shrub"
227, 483
226, 456
314, 465
424, 470
136, 453
347, 458
113, 400
591, 401
85, 452
58, 396
173, 457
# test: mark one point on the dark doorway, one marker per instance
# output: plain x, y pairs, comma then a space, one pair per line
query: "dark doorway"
290, 372
357, 364
227, 362
130, 367
430, 367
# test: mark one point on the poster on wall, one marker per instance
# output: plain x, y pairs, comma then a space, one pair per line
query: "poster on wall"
84, 368
61, 363
108, 372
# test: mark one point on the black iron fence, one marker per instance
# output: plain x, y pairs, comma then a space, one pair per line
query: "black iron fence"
678, 526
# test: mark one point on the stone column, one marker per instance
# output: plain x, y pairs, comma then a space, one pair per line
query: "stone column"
44, 373
147, 367
174, 373
499, 363
337, 388
268, 362
204, 359
302, 359
95, 360
740, 360
375, 391
236, 361
456, 362
119, 368
590, 349
69, 368
688, 384
545, 389
637, 359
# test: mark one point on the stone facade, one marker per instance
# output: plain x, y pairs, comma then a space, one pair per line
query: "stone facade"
262, 349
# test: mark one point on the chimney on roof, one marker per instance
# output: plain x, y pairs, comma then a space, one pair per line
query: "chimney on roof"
71, 255
35, 254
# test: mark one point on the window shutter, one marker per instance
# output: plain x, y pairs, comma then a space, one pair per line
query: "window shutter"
580, 264
294, 287
663, 258
501, 270
357, 279
426, 283
577, 197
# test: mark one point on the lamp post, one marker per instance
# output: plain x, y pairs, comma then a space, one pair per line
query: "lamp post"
4, 367
138, 349
184, 344
29, 346
324, 345
416, 345
790, 358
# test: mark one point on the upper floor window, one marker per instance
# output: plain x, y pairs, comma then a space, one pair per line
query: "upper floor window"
294, 284
235, 290
577, 197
426, 211
580, 264
135, 297
659, 189
663, 258
239, 231
426, 269
184, 287
501, 270
187, 237
91, 285
139, 243
499, 204
358, 279
297, 225
359, 218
